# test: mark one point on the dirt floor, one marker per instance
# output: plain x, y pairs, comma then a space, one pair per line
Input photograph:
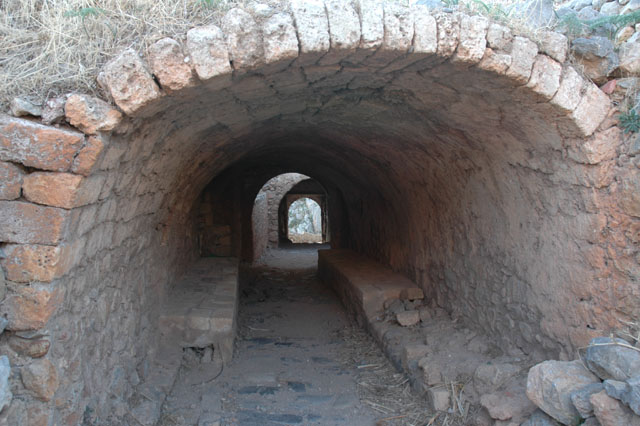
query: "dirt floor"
299, 359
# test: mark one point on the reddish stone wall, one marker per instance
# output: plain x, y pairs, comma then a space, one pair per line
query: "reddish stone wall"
477, 163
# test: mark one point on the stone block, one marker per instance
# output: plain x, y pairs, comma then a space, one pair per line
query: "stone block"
448, 33
129, 83
408, 318
372, 23
40, 378
495, 62
279, 38
609, 359
64, 190
28, 263
36, 145
499, 37
209, 54
29, 308
398, 27
473, 39
344, 27
591, 110
545, 77
313, 29
567, 96
243, 38
170, 66
554, 44
87, 159
27, 223
91, 114
10, 181
411, 293
523, 55
550, 384
425, 34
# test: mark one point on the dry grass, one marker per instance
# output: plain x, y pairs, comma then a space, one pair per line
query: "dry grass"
49, 47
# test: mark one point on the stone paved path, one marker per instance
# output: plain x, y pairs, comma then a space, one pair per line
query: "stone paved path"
288, 367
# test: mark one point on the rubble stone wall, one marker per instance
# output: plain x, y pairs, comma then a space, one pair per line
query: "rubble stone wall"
476, 162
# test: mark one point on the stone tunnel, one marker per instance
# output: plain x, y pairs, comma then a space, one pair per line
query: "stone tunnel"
478, 163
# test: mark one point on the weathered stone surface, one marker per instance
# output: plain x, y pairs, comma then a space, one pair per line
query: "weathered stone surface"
408, 318
279, 38
581, 399
90, 114
611, 412
10, 181
596, 55
372, 23
523, 55
86, 161
27, 263
598, 148
610, 8
20, 107
545, 77
170, 65
499, 37
448, 33
64, 190
208, 50
506, 405
35, 145
494, 62
540, 418
53, 110
555, 45
27, 223
439, 398
568, 97
536, 13
473, 41
5, 388
243, 39
591, 110
550, 384
40, 378
630, 58
398, 27
31, 347
489, 377
413, 293
129, 82
344, 25
628, 392
313, 29
629, 196
29, 308
425, 31
609, 359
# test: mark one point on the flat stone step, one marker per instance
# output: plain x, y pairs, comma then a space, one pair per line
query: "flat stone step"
362, 284
202, 307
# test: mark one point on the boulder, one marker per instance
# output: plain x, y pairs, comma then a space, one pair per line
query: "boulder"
611, 412
550, 384
609, 359
627, 392
597, 56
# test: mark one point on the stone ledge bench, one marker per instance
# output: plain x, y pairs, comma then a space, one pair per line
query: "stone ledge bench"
201, 308
362, 284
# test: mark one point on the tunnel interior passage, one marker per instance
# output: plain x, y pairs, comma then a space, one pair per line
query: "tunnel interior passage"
474, 162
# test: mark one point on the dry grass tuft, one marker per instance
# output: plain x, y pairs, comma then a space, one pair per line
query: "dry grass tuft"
51, 47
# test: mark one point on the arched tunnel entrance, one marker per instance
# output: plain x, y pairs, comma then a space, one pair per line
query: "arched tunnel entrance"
470, 161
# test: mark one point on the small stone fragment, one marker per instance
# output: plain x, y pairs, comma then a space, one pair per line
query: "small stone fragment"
20, 107
439, 398
53, 110
91, 114
408, 318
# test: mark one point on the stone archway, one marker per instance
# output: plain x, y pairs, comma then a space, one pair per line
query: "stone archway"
491, 171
